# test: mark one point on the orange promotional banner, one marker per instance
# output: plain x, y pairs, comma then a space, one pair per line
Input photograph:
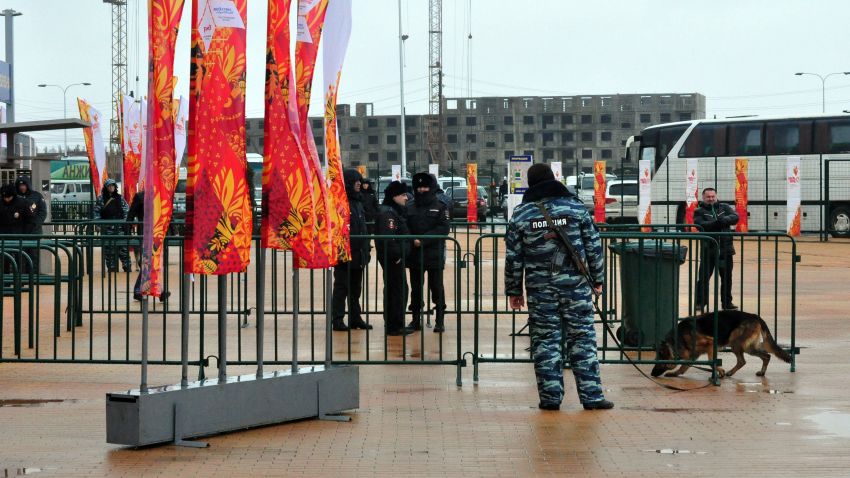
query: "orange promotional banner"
218, 208
741, 194
691, 190
311, 17
287, 189
472, 193
93, 136
336, 31
599, 188
163, 22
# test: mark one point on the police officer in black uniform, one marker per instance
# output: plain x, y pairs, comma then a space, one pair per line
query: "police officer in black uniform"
348, 276
38, 214
14, 211
427, 216
393, 255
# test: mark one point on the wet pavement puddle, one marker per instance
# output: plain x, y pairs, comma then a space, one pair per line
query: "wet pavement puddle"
831, 423
10, 472
28, 402
676, 451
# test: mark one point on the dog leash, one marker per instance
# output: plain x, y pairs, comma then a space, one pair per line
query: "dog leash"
585, 274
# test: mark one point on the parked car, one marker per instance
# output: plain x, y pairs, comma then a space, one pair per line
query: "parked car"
585, 187
459, 196
446, 182
621, 201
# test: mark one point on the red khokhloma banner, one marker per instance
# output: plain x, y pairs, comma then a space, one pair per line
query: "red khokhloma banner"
218, 207
599, 187
93, 136
742, 194
158, 141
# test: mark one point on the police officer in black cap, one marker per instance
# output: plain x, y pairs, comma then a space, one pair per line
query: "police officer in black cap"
427, 216
393, 255
14, 211
348, 276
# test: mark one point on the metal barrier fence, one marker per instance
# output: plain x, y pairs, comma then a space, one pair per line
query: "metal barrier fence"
75, 310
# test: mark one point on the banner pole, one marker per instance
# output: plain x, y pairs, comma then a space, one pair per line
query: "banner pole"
328, 318
222, 329
143, 386
184, 330
261, 302
295, 305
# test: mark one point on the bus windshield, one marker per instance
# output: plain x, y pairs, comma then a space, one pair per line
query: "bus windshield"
656, 143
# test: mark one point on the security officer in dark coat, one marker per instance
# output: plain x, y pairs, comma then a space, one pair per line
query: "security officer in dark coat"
110, 205
714, 216
369, 198
348, 276
14, 211
393, 255
38, 214
559, 297
35, 201
427, 216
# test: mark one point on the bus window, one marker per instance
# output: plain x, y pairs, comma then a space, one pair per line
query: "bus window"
832, 136
707, 139
86, 188
181, 186
788, 137
745, 139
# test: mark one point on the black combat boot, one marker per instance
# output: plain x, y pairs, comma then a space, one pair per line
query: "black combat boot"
339, 326
439, 325
416, 323
600, 405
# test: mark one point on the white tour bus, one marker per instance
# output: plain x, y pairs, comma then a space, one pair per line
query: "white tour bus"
822, 142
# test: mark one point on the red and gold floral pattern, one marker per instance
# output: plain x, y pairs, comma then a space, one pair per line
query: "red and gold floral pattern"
287, 190
319, 229
218, 207
163, 22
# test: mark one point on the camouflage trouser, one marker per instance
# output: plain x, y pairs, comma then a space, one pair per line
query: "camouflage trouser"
550, 312
113, 248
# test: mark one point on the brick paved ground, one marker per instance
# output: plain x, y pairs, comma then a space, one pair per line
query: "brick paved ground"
414, 421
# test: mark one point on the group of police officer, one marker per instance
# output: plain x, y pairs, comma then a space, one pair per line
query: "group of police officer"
402, 228
22, 212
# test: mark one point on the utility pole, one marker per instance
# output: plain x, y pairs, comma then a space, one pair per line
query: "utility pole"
10, 59
401, 39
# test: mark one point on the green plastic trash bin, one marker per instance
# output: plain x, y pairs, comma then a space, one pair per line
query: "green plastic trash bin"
649, 278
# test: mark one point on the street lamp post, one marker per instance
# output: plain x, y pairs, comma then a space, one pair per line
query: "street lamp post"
65, 105
823, 84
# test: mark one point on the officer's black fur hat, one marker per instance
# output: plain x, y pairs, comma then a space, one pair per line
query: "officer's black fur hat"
421, 180
8, 190
394, 189
538, 173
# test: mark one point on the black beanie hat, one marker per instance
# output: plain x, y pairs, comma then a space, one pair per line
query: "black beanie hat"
538, 173
394, 189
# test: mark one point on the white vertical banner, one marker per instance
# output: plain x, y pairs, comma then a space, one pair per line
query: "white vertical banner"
180, 124
143, 130
434, 169
644, 191
792, 191
557, 171
691, 189
97, 141
396, 172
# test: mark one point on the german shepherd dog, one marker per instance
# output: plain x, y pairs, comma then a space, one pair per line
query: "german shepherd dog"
693, 336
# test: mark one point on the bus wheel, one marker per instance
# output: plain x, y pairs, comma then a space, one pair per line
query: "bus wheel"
839, 221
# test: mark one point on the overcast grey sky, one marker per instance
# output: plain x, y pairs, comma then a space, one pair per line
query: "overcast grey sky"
741, 54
